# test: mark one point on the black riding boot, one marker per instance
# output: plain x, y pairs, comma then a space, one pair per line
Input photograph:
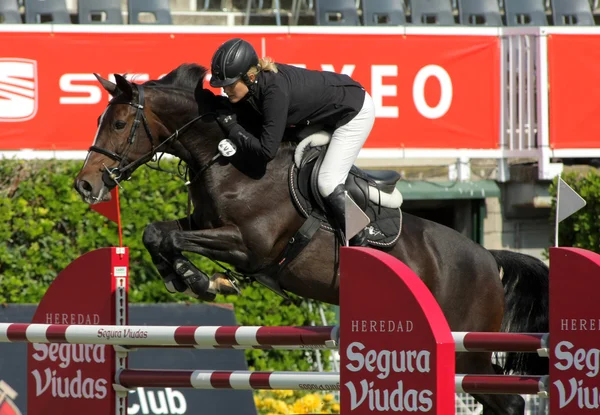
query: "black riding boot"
337, 205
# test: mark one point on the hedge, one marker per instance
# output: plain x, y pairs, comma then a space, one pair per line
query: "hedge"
45, 225
582, 229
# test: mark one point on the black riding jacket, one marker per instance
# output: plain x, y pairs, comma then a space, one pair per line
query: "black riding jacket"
287, 102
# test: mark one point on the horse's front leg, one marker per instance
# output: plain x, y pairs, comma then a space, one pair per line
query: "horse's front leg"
153, 236
219, 244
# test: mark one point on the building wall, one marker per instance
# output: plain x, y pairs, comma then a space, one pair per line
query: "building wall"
527, 235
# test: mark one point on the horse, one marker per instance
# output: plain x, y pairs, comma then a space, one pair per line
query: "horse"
248, 216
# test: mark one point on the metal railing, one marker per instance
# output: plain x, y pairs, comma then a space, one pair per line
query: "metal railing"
524, 119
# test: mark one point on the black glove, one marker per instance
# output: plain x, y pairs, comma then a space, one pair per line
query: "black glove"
227, 121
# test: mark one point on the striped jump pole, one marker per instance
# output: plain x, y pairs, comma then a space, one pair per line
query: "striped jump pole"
203, 336
249, 380
241, 337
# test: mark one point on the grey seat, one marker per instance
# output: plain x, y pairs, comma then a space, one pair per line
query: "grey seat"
525, 13
159, 11
99, 12
336, 13
479, 13
9, 12
431, 12
572, 12
383, 12
47, 11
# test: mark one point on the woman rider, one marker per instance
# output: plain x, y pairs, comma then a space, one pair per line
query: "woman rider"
283, 98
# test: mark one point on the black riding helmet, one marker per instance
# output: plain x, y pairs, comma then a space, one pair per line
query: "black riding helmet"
231, 62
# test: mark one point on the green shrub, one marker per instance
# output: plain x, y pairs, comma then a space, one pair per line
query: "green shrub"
44, 226
582, 229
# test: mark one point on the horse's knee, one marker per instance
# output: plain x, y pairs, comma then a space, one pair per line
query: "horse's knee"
168, 242
152, 237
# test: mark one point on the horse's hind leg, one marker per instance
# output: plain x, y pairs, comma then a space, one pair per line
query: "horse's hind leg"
480, 364
154, 234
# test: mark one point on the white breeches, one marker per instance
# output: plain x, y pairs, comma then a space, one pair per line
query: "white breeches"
344, 147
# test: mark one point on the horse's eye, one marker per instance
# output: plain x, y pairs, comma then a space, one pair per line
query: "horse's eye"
119, 125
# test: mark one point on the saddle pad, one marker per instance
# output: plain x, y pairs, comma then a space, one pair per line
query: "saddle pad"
385, 227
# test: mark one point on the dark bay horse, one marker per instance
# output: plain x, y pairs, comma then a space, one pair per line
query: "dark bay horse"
245, 217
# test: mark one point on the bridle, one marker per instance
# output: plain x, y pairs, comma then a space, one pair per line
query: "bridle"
113, 176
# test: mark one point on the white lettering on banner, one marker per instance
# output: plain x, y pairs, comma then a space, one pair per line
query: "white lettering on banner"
581, 324
419, 91
63, 387
581, 359
346, 69
590, 357
77, 386
379, 90
382, 326
90, 92
399, 399
167, 401
383, 363
88, 84
67, 353
93, 92
72, 318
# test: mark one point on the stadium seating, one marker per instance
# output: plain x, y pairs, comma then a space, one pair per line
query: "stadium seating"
336, 13
99, 12
432, 12
149, 12
572, 12
383, 12
525, 13
492, 13
47, 11
479, 13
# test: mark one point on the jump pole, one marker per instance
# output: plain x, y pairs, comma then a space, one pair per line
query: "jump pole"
243, 337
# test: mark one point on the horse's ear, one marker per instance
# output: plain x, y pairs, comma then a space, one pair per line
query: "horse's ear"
110, 87
123, 85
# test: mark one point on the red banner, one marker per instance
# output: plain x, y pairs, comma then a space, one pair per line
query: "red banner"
430, 91
574, 93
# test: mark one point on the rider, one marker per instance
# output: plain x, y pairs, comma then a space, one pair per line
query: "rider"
285, 97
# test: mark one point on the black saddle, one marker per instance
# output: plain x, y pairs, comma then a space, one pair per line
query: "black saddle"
385, 225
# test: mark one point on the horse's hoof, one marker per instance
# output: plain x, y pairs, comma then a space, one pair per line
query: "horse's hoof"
207, 296
219, 283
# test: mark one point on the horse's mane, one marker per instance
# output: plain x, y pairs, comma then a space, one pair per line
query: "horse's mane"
185, 76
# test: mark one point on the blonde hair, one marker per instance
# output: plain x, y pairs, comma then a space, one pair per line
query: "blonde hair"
264, 64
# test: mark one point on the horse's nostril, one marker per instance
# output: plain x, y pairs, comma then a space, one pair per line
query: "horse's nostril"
84, 186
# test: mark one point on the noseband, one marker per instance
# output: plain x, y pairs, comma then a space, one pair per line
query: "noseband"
113, 176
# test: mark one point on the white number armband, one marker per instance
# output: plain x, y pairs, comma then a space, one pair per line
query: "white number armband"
227, 148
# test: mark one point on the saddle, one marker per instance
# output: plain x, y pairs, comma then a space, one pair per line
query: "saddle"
374, 191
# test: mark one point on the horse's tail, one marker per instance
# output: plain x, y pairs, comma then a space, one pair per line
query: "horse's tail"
525, 280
